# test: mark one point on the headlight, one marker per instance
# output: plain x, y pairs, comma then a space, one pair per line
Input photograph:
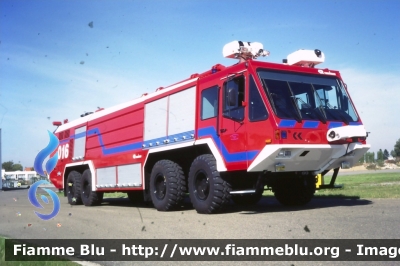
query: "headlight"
284, 154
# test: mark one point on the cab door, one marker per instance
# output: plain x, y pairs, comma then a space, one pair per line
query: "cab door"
232, 122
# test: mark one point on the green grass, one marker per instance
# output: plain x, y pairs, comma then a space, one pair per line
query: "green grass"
374, 185
23, 261
115, 195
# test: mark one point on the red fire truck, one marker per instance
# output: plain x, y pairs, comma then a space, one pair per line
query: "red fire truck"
228, 133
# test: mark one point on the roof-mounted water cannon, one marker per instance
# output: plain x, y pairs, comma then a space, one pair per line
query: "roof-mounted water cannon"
244, 50
305, 58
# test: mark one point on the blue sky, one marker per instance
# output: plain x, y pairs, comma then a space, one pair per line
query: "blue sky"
54, 66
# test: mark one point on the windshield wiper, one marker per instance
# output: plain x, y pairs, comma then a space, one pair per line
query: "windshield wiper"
341, 116
320, 107
322, 114
299, 118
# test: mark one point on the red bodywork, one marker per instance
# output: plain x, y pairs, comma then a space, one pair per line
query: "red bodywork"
115, 136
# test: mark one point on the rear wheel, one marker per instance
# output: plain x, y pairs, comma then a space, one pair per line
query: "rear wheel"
167, 185
296, 191
208, 191
89, 197
73, 187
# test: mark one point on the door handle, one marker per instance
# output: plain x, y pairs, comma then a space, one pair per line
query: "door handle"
222, 130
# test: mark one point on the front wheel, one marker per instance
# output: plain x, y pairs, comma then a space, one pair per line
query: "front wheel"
167, 185
208, 191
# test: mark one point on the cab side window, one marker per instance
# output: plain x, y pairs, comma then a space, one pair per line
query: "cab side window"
234, 98
209, 103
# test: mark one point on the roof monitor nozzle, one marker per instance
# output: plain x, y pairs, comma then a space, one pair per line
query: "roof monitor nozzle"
244, 50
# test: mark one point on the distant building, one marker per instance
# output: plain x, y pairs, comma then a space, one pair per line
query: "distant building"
18, 175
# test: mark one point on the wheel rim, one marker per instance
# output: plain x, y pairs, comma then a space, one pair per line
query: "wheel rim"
201, 185
160, 186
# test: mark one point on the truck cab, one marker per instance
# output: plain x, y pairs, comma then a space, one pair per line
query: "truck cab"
284, 123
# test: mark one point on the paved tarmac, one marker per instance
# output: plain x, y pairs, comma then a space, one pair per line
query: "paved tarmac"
324, 218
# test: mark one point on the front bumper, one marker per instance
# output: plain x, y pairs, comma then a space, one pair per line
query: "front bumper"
314, 157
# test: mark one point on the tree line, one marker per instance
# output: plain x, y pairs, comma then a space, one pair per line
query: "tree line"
381, 156
10, 166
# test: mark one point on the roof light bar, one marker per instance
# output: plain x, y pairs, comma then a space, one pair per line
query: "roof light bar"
244, 50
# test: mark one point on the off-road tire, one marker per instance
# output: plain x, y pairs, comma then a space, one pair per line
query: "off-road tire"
73, 187
299, 191
208, 191
89, 197
167, 185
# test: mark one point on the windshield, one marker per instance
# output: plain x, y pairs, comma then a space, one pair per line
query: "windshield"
307, 97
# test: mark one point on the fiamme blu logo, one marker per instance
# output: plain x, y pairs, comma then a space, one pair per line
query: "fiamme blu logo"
50, 165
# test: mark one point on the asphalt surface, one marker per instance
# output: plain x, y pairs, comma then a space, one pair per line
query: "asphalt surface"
322, 218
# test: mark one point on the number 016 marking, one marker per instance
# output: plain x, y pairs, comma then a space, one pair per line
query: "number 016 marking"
63, 151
